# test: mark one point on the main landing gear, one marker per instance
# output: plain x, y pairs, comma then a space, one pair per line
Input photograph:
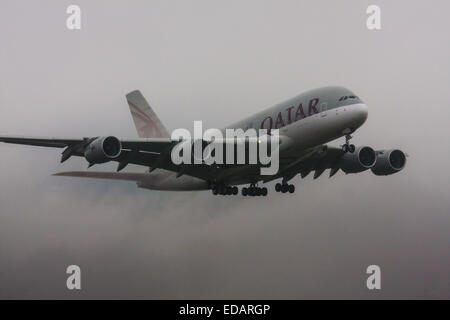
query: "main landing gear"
284, 187
224, 190
254, 190
347, 147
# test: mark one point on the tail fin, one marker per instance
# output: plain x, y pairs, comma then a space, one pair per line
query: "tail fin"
146, 121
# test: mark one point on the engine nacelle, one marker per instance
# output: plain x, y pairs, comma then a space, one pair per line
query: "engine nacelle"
103, 149
362, 159
389, 162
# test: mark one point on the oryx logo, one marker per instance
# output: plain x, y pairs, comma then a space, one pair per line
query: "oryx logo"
146, 126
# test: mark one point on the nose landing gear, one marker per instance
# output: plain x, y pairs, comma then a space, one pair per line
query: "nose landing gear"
347, 147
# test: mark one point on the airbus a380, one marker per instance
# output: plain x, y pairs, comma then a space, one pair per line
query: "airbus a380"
305, 122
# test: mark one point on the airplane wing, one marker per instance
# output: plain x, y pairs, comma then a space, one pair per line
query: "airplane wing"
151, 152
315, 160
155, 153
150, 145
41, 142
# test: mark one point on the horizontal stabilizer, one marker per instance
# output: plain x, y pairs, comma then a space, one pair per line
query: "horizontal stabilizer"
127, 176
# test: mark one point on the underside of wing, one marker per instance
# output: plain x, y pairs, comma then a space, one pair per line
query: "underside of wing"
362, 158
315, 160
151, 152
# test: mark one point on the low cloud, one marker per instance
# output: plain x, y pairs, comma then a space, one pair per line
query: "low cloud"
133, 243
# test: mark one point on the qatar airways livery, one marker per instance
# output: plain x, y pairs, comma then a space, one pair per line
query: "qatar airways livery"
305, 124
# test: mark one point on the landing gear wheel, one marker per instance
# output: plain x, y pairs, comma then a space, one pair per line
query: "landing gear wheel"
345, 148
291, 188
284, 188
254, 191
278, 187
351, 148
264, 191
235, 191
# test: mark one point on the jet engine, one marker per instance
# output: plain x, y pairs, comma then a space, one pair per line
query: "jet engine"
361, 159
102, 150
389, 162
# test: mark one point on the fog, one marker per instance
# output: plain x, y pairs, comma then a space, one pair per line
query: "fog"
219, 61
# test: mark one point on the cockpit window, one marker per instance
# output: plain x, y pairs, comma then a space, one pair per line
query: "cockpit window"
347, 97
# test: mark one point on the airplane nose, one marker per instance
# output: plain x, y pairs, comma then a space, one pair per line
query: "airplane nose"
360, 113
363, 112
357, 115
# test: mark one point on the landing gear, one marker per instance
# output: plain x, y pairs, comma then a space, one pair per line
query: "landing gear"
291, 188
347, 147
224, 190
284, 187
264, 191
278, 187
254, 191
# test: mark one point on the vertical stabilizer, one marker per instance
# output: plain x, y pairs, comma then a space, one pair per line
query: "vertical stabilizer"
145, 119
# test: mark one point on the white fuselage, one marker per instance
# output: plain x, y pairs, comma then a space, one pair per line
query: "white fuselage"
318, 123
325, 126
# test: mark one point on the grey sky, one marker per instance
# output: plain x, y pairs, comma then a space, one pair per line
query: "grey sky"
218, 61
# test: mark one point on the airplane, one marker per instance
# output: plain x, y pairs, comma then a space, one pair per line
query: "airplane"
306, 123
